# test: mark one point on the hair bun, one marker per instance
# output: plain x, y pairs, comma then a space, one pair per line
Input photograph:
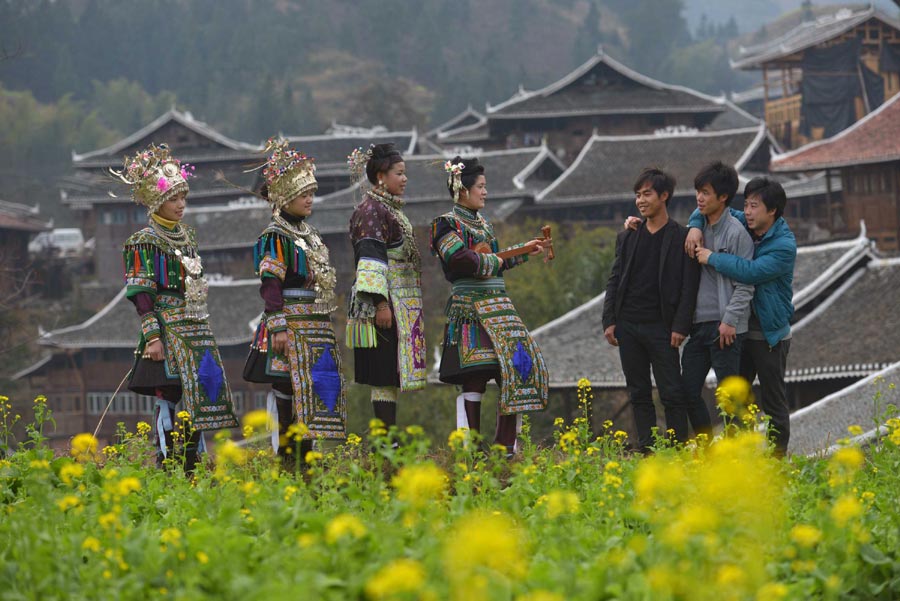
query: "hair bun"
383, 151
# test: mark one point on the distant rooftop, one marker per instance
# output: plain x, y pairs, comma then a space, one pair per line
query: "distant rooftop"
873, 139
807, 35
603, 85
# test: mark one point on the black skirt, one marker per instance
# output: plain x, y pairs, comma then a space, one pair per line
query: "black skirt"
451, 372
378, 366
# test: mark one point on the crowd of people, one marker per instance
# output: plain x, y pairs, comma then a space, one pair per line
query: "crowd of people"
722, 284
294, 348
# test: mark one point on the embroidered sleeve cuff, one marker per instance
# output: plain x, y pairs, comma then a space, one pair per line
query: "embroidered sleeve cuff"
489, 265
448, 245
271, 267
138, 284
517, 260
150, 326
276, 322
371, 277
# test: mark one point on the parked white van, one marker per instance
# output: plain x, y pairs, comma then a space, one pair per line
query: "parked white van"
68, 241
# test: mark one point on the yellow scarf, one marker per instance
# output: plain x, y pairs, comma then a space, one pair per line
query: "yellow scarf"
166, 223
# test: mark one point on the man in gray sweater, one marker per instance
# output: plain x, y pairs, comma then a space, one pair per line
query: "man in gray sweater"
723, 305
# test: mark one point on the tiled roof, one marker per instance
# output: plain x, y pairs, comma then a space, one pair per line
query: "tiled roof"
573, 345
509, 174
330, 150
819, 266
113, 152
733, 117
603, 85
605, 169
817, 427
807, 35
19, 217
465, 118
873, 139
855, 332
233, 305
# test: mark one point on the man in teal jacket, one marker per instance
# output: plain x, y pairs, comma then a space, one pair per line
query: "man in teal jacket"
771, 271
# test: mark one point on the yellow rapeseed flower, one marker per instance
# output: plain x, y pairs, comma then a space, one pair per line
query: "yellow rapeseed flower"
127, 485
313, 457
183, 416
541, 596
845, 509
170, 536
848, 458
39, 464
559, 502
143, 428
297, 431
202, 557
91, 544
457, 438
259, 420
353, 440
396, 578
772, 591
734, 395
70, 471
420, 484
84, 447
855, 430
805, 535
68, 502
344, 525
484, 540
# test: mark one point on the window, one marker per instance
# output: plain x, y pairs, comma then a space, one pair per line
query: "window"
96, 402
259, 399
138, 215
237, 398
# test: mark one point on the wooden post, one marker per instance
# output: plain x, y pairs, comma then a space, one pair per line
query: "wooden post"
828, 201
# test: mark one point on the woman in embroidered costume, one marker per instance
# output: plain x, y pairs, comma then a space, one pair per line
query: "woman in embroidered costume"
484, 338
294, 348
386, 328
177, 358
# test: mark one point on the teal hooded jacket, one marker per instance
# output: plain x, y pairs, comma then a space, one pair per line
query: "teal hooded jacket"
771, 271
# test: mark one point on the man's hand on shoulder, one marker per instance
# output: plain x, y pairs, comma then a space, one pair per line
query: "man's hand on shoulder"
693, 240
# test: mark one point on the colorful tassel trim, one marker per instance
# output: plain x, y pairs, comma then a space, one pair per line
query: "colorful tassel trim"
284, 250
361, 334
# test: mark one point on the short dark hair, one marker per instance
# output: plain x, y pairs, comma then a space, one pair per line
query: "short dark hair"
658, 179
769, 191
383, 156
723, 179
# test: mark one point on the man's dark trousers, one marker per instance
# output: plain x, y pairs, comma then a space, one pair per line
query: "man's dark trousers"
700, 353
642, 345
757, 358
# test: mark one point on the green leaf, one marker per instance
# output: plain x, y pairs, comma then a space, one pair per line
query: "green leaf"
873, 555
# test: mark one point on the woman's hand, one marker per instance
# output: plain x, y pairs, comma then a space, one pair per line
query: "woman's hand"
154, 350
536, 246
279, 343
384, 319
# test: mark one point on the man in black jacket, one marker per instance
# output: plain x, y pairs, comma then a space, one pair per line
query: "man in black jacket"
650, 299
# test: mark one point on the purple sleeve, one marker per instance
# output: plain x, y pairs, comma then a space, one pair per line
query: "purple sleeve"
270, 291
143, 302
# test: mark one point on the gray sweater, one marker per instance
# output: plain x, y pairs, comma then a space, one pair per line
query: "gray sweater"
720, 298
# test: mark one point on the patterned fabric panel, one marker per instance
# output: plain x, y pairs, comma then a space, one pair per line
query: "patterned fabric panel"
371, 277
150, 326
272, 267
525, 381
191, 348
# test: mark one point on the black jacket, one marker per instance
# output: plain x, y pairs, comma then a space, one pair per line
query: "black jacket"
679, 278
